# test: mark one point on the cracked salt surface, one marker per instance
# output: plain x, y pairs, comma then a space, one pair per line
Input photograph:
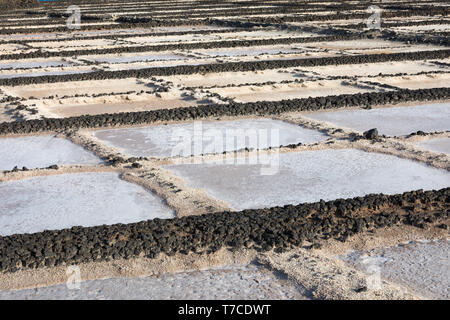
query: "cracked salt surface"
422, 267
441, 145
42, 151
391, 121
164, 140
82, 199
309, 176
225, 283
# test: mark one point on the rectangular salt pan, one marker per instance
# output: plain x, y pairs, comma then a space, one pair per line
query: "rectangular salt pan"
441, 145
33, 64
42, 151
309, 176
82, 199
42, 73
391, 121
136, 58
206, 137
249, 51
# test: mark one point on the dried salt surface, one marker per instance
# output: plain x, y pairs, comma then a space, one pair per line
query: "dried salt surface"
41, 151
43, 73
279, 92
241, 35
165, 140
373, 69
370, 46
78, 87
425, 28
228, 282
134, 58
82, 199
438, 145
34, 64
360, 44
123, 105
245, 51
391, 121
417, 81
235, 78
309, 176
422, 266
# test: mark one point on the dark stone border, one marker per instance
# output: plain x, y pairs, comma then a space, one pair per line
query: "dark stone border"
217, 110
263, 229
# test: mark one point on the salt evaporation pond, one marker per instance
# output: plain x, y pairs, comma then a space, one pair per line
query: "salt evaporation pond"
34, 64
248, 52
437, 145
81, 199
42, 151
136, 58
224, 283
178, 139
43, 73
391, 121
309, 176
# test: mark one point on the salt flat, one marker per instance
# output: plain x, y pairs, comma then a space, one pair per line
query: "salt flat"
181, 139
309, 176
41, 151
280, 92
436, 145
82, 199
391, 121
